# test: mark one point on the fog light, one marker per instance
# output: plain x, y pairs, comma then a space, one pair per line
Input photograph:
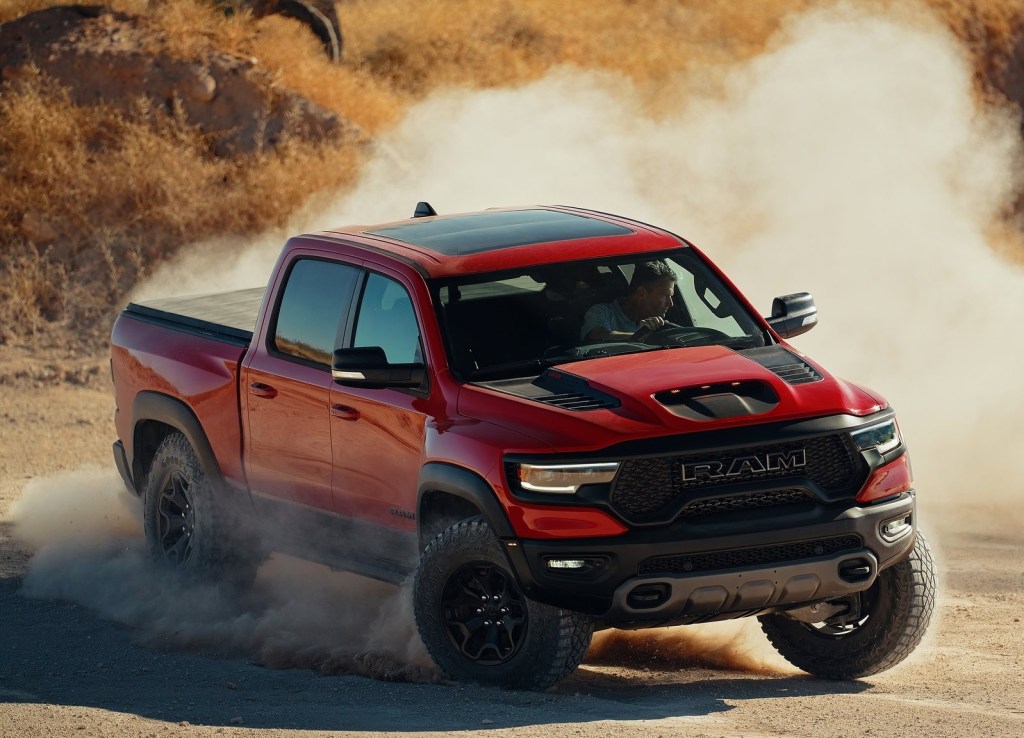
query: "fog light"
896, 528
566, 563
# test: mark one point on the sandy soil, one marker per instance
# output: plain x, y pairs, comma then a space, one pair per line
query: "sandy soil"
75, 663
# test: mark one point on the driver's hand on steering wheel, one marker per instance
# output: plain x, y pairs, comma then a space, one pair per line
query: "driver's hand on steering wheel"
652, 323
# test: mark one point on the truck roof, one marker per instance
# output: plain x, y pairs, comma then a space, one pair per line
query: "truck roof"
505, 238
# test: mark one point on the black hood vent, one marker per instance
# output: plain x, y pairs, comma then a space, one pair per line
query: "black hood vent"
557, 388
784, 363
579, 401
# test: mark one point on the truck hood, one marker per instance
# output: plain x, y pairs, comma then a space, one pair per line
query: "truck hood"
662, 392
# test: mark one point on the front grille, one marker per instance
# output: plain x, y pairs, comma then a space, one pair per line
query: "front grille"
752, 501
745, 557
653, 490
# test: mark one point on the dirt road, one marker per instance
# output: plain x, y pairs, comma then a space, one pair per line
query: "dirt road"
91, 645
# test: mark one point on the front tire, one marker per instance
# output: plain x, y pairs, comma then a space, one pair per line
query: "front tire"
894, 615
187, 526
479, 627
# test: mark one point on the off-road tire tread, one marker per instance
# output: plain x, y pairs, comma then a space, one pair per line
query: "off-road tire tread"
223, 552
888, 643
564, 635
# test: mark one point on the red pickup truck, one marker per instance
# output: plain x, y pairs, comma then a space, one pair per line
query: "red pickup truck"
507, 406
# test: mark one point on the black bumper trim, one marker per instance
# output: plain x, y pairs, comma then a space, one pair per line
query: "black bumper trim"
782, 583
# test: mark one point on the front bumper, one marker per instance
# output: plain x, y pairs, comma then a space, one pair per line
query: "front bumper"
669, 575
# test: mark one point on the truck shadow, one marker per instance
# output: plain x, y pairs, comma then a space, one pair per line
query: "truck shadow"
55, 652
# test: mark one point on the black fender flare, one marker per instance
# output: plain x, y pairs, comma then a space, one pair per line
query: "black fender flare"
437, 476
155, 406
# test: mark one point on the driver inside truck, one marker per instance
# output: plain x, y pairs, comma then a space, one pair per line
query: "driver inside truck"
644, 307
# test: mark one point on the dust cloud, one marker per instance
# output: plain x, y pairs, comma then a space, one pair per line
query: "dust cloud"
85, 532
851, 159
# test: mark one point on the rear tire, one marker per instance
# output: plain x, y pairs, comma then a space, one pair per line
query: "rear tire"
894, 615
187, 526
479, 627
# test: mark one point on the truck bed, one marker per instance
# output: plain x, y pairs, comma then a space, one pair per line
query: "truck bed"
227, 316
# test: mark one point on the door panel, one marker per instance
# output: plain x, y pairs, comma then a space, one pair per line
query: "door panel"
377, 457
378, 434
286, 385
289, 451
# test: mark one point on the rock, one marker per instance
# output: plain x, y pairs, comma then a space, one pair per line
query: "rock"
37, 229
101, 56
200, 87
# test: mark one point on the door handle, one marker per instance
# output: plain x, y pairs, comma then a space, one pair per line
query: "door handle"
262, 390
344, 412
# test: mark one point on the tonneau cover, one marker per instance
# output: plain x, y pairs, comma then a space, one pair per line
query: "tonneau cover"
228, 315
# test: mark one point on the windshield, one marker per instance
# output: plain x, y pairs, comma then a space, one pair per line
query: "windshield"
514, 324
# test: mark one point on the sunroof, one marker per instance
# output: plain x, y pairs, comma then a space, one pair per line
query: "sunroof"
471, 234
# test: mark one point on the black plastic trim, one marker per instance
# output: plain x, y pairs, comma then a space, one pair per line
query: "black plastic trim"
598, 596
223, 334
340, 542
154, 406
123, 467
436, 476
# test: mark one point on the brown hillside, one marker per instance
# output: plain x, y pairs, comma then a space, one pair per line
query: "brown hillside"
131, 130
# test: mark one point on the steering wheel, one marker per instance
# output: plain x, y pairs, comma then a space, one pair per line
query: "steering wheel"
672, 334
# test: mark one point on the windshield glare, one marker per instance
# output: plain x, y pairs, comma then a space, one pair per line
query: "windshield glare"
516, 324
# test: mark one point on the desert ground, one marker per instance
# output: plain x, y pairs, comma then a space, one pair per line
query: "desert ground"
93, 645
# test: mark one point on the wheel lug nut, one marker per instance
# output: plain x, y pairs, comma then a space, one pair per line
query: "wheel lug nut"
495, 598
487, 622
479, 610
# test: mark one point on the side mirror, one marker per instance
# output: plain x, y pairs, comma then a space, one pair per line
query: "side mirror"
793, 315
369, 367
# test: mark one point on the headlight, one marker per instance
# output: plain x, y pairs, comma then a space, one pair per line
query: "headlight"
884, 437
564, 479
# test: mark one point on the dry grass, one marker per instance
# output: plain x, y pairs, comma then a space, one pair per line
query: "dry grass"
120, 196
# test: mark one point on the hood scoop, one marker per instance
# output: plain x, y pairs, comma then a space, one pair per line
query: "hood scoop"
557, 388
720, 400
783, 363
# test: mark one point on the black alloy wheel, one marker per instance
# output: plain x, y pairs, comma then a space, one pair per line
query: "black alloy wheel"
479, 626
175, 520
484, 613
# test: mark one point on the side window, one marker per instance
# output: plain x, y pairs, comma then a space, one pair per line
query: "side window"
705, 306
315, 301
386, 319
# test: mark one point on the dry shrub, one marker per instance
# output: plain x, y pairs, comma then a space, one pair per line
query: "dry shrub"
11, 9
287, 48
112, 197
33, 289
418, 47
